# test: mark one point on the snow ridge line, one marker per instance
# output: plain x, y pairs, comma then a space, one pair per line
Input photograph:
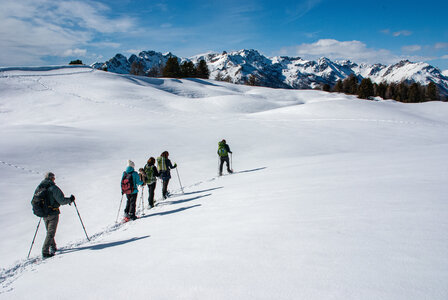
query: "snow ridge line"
46, 75
436, 124
21, 168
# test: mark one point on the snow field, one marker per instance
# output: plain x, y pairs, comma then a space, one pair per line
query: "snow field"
335, 198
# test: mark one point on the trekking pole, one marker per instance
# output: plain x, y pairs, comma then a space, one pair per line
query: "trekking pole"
180, 182
116, 220
81, 221
38, 224
143, 203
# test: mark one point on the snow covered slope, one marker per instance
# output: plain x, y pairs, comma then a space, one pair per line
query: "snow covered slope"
287, 72
332, 197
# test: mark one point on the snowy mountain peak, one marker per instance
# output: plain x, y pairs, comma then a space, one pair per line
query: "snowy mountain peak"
287, 72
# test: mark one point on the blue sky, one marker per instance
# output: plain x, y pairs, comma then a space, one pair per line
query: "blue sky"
44, 32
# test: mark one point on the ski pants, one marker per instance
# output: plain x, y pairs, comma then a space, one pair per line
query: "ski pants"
224, 159
165, 187
151, 189
130, 204
51, 224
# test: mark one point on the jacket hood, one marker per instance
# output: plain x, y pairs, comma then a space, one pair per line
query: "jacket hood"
129, 169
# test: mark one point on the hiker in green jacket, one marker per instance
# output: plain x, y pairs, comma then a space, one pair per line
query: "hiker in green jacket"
223, 152
151, 173
164, 165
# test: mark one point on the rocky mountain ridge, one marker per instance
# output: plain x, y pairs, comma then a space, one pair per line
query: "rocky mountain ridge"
285, 71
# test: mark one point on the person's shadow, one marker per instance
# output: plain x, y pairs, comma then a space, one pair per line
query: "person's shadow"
102, 246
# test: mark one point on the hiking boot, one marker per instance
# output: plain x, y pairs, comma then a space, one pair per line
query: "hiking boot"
133, 217
47, 255
53, 249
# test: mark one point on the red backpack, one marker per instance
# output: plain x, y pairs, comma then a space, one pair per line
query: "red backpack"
127, 183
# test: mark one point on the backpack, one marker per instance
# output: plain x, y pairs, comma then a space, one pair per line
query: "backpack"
149, 171
127, 183
222, 149
41, 201
161, 163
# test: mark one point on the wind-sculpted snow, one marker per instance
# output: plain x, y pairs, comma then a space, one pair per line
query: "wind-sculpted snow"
331, 196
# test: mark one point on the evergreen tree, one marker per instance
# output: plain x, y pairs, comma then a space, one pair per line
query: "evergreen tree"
350, 85
137, 68
432, 92
402, 92
338, 87
155, 71
381, 90
187, 69
414, 94
391, 91
76, 62
365, 90
202, 70
172, 68
326, 87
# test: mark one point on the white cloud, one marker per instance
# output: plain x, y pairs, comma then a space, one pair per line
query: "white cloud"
32, 29
444, 57
338, 50
411, 48
441, 45
75, 52
403, 33
397, 33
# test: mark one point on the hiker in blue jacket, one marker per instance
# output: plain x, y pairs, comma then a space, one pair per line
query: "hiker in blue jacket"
132, 191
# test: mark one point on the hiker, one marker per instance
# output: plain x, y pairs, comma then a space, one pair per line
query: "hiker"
223, 152
164, 166
151, 175
52, 197
129, 182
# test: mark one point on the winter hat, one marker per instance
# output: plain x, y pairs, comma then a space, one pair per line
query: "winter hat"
49, 175
131, 163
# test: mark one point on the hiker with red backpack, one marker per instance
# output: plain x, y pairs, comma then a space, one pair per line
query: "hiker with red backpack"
129, 182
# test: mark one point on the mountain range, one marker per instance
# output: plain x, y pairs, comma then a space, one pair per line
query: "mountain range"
285, 71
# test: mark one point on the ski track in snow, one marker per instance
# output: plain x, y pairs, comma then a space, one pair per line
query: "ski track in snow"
10, 275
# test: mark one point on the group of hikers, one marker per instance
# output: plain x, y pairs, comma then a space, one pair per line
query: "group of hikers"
48, 197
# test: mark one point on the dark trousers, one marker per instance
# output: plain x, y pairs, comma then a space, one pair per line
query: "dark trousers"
130, 204
51, 224
151, 189
224, 159
165, 187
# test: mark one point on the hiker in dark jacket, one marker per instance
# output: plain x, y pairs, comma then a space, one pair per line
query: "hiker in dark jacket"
223, 152
56, 198
151, 173
164, 166
129, 211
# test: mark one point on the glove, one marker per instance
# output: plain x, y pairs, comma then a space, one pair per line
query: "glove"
175, 165
72, 198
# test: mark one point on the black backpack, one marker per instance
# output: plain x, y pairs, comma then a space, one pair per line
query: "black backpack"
41, 201
127, 183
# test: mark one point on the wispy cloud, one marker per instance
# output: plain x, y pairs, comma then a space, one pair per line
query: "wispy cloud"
301, 9
411, 48
396, 33
75, 52
439, 46
444, 57
403, 33
32, 29
338, 50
